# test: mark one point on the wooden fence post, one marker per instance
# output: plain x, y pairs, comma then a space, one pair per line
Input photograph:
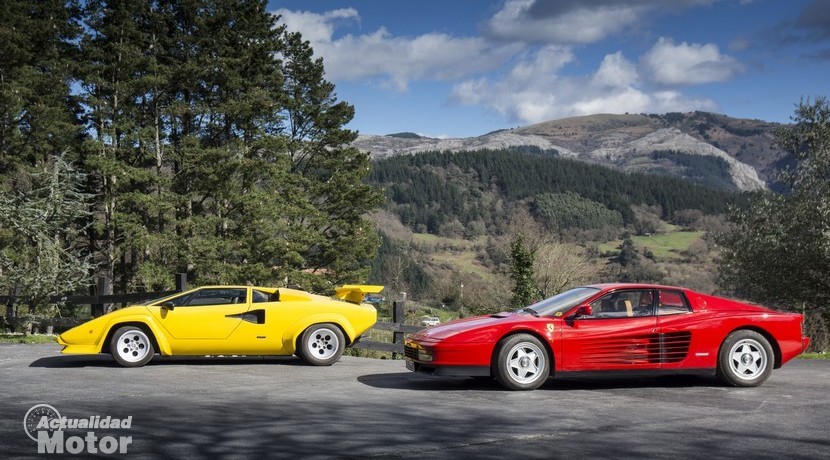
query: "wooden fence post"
97, 309
11, 306
181, 282
398, 309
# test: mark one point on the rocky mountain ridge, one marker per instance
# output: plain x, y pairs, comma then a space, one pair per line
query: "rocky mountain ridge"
627, 142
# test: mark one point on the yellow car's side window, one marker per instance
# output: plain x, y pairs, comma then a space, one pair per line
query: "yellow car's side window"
214, 297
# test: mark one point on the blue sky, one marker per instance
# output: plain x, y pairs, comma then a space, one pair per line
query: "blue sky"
465, 68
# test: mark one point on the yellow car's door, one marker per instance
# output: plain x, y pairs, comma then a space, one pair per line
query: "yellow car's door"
203, 321
256, 334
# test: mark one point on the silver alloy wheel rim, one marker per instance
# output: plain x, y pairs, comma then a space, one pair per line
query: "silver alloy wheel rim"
323, 343
747, 359
133, 346
525, 362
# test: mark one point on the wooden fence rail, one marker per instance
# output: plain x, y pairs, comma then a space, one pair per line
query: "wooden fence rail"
398, 329
98, 301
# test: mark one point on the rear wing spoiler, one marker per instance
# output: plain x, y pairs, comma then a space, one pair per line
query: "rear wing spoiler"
354, 292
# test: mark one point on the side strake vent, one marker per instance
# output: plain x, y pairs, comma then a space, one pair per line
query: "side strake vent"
674, 346
645, 349
253, 316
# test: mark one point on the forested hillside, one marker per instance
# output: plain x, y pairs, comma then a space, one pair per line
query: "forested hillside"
451, 218
467, 192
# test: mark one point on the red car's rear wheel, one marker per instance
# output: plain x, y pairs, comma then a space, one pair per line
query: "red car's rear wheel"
745, 359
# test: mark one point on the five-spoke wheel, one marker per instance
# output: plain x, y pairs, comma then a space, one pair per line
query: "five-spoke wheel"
745, 359
322, 344
131, 347
521, 362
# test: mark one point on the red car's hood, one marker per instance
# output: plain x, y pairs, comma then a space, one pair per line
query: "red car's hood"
448, 329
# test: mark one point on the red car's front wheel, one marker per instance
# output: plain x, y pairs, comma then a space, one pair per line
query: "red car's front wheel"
521, 362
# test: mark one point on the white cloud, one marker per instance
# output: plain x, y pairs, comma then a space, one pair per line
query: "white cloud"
517, 21
689, 64
616, 71
536, 85
396, 60
316, 27
612, 88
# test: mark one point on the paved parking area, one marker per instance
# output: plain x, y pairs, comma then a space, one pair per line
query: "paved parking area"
363, 408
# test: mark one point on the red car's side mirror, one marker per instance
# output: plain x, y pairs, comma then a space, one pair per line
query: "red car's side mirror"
584, 310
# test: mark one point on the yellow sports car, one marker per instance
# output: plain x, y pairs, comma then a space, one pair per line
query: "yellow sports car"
230, 320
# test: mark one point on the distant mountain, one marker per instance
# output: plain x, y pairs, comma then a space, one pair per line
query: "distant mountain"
708, 148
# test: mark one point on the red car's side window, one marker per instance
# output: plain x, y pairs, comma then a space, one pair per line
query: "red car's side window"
622, 304
671, 303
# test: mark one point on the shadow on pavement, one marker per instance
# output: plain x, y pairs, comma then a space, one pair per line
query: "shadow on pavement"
413, 381
104, 360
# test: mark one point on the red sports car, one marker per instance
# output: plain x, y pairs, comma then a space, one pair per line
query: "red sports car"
613, 327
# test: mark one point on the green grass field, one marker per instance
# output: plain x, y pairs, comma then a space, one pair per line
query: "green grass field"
456, 254
32, 338
665, 246
814, 356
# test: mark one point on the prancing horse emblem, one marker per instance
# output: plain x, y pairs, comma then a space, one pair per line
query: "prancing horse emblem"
550, 327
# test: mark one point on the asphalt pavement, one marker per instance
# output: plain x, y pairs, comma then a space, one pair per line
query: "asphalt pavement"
268, 407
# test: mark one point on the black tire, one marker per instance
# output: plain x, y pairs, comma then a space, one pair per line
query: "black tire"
321, 344
745, 359
521, 362
130, 346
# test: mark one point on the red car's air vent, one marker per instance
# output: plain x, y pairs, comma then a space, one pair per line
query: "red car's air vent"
674, 346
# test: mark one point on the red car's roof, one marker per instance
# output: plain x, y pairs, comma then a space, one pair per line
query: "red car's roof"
609, 286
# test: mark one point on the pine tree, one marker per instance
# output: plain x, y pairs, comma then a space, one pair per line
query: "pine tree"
336, 241
125, 90
779, 250
521, 272
214, 145
37, 110
41, 232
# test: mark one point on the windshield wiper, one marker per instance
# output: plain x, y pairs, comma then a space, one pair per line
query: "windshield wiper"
531, 311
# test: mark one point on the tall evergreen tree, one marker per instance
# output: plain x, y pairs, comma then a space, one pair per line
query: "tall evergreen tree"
521, 272
336, 240
220, 149
125, 82
37, 111
41, 232
779, 250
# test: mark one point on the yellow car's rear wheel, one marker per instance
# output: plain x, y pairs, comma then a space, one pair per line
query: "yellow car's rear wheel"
131, 347
322, 344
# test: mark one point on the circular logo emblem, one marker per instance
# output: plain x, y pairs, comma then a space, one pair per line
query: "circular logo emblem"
35, 416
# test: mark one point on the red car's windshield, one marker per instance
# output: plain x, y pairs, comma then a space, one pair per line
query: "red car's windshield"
562, 302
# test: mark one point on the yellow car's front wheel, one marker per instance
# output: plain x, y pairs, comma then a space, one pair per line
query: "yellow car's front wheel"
131, 347
321, 344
